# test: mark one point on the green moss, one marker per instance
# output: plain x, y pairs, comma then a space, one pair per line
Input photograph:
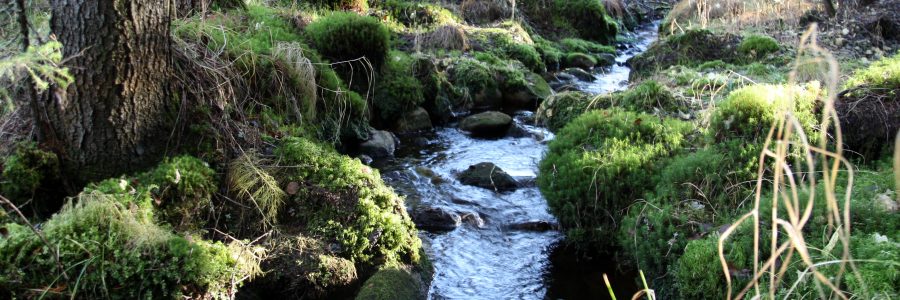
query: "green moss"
758, 46
699, 274
31, 178
599, 164
390, 284
355, 5
579, 59
347, 202
551, 55
561, 108
588, 18
113, 250
583, 46
415, 14
884, 73
650, 96
397, 91
691, 48
527, 55
344, 36
476, 80
749, 112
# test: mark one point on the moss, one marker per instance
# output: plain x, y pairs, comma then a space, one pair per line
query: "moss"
561, 108
584, 46
650, 96
588, 18
414, 14
690, 48
339, 37
551, 55
477, 82
113, 250
884, 73
598, 165
354, 5
31, 179
390, 284
577, 59
527, 55
749, 112
397, 91
344, 201
758, 46
484, 11
880, 273
698, 273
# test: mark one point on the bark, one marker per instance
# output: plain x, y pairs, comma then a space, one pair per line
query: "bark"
115, 117
829, 8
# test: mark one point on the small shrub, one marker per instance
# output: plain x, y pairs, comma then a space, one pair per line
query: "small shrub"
114, 250
344, 201
749, 112
599, 164
758, 46
397, 91
346, 36
390, 284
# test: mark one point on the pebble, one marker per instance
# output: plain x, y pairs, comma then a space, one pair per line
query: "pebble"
845, 31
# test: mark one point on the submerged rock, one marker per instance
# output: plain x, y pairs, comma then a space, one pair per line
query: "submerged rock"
436, 219
487, 124
414, 121
580, 74
380, 144
537, 225
488, 175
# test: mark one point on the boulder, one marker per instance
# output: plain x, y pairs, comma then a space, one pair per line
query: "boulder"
435, 219
488, 175
487, 124
580, 74
526, 95
380, 144
580, 60
606, 59
414, 121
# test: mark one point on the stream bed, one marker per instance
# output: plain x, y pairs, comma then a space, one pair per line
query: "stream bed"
504, 248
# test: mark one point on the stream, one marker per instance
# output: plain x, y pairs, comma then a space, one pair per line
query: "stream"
490, 256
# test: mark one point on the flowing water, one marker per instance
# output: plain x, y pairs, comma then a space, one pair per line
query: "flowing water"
484, 258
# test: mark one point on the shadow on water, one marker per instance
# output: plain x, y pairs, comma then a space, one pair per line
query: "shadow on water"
484, 258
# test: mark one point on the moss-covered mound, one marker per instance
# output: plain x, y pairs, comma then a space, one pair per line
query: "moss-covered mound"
690, 48
397, 91
869, 108
586, 19
348, 36
599, 164
748, 113
107, 243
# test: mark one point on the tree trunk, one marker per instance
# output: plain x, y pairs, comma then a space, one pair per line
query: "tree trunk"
115, 117
829, 8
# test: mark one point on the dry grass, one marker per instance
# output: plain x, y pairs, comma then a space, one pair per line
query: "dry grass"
249, 179
485, 11
291, 55
734, 15
447, 37
786, 178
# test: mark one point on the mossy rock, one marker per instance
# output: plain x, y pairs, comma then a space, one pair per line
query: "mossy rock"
526, 94
478, 82
416, 120
559, 109
122, 228
580, 60
304, 267
690, 48
391, 284
487, 124
397, 91
599, 164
